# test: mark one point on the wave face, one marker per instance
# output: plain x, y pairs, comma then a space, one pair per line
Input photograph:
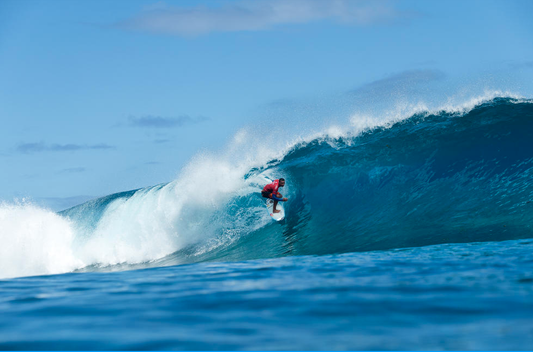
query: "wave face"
434, 178
441, 177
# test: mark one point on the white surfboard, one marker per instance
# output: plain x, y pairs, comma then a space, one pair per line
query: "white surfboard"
276, 216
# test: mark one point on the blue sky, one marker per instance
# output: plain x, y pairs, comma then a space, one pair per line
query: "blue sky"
98, 97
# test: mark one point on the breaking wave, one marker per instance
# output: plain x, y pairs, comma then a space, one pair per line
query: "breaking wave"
459, 174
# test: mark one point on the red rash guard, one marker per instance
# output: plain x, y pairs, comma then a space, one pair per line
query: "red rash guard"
272, 187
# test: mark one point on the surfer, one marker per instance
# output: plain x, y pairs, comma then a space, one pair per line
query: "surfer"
271, 191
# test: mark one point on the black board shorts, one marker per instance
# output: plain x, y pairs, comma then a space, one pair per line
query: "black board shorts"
266, 194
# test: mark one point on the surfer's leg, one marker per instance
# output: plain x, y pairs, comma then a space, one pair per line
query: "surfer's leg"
274, 208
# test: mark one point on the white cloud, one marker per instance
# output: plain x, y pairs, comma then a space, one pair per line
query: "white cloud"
164, 122
401, 81
260, 15
27, 148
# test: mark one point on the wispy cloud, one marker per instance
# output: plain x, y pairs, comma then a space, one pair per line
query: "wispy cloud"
72, 170
403, 81
27, 148
164, 122
261, 15
411, 84
520, 65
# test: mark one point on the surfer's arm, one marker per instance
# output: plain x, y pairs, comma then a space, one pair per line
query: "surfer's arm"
276, 198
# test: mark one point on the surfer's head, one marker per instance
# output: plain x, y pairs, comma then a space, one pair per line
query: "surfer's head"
281, 182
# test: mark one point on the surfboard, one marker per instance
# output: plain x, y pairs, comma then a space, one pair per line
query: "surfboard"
270, 207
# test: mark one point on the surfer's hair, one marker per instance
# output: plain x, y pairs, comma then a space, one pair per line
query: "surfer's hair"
281, 179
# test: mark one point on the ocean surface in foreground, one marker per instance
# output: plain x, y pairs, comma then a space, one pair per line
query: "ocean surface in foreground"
448, 296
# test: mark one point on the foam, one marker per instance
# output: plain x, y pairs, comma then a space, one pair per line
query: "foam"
156, 222
35, 241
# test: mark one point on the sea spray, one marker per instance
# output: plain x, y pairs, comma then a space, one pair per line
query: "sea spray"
35, 241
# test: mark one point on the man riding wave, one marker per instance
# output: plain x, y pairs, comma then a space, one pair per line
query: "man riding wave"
271, 191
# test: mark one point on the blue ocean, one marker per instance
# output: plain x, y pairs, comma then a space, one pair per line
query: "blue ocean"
411, 233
